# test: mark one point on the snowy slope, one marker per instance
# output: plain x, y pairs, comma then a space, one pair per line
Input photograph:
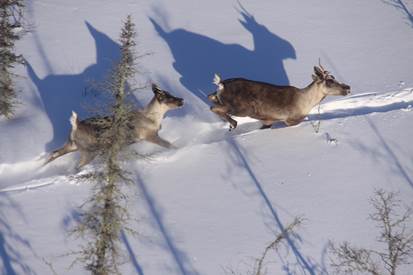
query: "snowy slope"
214, 203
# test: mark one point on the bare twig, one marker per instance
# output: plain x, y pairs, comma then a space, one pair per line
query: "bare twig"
274, 245
394, 234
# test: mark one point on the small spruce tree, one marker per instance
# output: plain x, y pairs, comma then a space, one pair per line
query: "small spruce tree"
11, 14
105, 214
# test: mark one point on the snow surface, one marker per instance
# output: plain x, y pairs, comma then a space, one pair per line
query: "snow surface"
217, 201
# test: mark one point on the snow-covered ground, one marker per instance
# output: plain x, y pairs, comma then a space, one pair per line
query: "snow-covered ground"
217, 201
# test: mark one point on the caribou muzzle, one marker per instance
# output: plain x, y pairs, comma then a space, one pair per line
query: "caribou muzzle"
180, 102
346, 89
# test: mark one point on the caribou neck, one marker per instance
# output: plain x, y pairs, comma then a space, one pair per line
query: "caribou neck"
155, 111
311, 96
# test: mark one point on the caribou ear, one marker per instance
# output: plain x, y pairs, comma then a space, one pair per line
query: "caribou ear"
155, 88
315, 78
318, 72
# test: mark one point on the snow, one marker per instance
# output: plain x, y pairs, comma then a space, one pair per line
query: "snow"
218, 200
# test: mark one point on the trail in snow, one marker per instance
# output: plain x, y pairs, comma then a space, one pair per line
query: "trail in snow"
13, 176
363, 104
32, 174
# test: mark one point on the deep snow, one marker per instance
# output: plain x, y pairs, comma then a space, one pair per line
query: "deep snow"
214, 203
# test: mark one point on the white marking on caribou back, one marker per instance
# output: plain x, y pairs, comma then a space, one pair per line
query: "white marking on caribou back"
73, 122
217, 81
220, 89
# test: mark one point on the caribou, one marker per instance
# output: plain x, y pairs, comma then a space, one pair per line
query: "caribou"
144, 125
271, 103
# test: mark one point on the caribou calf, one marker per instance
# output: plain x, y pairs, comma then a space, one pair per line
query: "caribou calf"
270, 103
144, 125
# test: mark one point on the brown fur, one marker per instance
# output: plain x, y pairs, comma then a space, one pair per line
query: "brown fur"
271, 103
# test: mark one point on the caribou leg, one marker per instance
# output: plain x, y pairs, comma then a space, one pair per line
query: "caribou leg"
294, 121
67, 148
222, 111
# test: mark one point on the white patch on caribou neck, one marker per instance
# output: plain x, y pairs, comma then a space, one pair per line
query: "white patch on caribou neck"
155, 111
311, 96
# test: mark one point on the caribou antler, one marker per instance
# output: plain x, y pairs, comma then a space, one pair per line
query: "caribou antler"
324, 71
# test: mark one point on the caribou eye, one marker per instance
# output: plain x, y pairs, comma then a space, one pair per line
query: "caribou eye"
329, 82
160, 97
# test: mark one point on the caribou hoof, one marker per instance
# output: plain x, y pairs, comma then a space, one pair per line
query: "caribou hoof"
265, 127
232, 126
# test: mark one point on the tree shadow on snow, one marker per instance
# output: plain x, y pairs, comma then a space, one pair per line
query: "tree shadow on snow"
12, 262
389, 156
303, 262
183, 264
60, 94
399, 5
198, 57
131, 253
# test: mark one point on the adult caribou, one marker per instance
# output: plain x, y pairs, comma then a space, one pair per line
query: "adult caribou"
270, 103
